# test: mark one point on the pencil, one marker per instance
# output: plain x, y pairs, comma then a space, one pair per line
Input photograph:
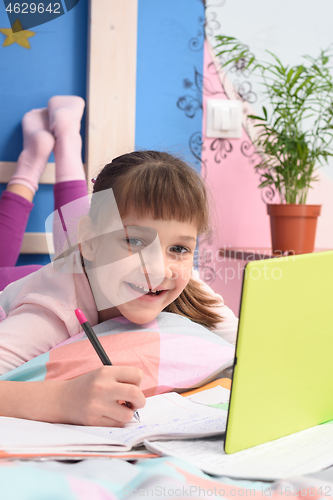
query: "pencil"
97, 346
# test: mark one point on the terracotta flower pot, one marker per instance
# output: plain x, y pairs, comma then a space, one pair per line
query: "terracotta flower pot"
293, 227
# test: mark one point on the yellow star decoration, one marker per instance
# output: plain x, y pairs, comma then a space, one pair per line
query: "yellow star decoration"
17, 35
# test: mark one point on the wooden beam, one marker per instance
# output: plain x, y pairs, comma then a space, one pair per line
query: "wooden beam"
111, 88
7, 169
36, 243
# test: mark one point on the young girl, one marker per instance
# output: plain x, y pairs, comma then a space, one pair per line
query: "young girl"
152, 190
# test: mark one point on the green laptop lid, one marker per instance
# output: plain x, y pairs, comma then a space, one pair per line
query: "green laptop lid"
283, 375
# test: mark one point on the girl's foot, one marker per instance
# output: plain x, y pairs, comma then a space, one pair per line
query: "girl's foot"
65, 113
38, 143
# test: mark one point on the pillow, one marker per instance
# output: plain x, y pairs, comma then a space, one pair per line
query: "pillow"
174, 353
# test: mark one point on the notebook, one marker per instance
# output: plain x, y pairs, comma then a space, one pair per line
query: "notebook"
283, 370
165, 416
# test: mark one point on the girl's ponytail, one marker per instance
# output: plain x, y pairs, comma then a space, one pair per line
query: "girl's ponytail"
195, 304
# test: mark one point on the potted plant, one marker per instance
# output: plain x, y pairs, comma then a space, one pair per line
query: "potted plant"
294, 137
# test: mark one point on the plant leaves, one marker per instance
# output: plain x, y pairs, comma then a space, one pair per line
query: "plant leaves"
295, 133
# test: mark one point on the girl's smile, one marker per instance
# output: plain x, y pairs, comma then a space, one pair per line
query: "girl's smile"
143, 290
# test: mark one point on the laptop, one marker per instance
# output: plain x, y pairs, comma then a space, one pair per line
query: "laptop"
283, 370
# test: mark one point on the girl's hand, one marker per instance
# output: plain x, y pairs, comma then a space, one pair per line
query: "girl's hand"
95, 398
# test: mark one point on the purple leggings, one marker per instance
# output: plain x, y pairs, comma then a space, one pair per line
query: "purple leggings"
14, 214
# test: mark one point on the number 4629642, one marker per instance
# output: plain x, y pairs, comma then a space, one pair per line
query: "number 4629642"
32, 8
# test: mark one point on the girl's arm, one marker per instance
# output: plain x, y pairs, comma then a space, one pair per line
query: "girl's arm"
28, 331
33, 328
91, 399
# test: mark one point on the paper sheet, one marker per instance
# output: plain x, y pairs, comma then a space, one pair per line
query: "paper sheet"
214, 396
301, 453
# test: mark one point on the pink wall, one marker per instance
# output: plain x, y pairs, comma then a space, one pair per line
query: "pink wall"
239, 214
239, 211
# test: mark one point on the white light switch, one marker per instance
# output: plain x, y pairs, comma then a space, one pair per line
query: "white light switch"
224, 118
217, 118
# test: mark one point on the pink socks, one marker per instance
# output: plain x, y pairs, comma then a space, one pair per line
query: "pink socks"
38, 143
54, 128
65, 113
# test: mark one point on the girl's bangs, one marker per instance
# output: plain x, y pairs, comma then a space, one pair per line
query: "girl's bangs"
162, 198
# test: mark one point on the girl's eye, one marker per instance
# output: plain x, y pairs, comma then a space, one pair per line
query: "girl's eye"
134, 242
179, 249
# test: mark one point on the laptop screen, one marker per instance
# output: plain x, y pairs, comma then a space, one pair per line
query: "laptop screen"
283, 374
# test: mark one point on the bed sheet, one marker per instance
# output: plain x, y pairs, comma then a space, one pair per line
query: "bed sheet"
163, 478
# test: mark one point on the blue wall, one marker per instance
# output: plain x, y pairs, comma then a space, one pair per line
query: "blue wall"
170, 49
168, 100
55, 64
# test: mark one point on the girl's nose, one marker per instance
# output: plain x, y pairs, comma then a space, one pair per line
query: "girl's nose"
152, 263
158, 267
152, 259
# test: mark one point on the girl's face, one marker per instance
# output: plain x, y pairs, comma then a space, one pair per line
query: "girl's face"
168, 269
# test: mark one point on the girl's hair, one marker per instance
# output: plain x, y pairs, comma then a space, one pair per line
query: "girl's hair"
160, 185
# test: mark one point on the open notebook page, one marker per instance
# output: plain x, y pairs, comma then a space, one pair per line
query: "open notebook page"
164, 416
